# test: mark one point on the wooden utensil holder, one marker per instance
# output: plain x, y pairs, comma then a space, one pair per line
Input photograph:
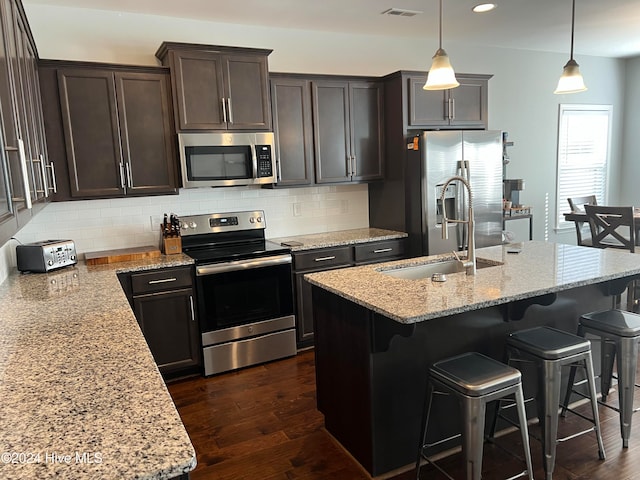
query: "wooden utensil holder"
170, 245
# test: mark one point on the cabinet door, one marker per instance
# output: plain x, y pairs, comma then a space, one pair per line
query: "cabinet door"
168, 324
469, 102
304, 312
146, 132
247, 92
8, 224
293, 130
34, 134
90, 121
20, 180
427, 108
365, 113
331, 131
200, 95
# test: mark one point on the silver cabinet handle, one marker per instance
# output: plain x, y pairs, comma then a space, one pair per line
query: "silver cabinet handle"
43, 172
224, 111
127, 167
324, 259
383, 250
353, 166
54, 184
122, 185
25, 174
452, 108
230, 110
193, 312
163, 280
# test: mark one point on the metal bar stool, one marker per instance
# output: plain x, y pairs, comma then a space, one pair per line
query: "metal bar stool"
619, 333
551, 349
475, 380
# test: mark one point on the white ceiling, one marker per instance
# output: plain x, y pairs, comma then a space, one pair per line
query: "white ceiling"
609, 28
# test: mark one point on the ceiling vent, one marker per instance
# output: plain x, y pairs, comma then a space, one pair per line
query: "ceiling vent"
401, 12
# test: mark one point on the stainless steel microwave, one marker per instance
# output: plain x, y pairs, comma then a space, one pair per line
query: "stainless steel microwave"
226, 159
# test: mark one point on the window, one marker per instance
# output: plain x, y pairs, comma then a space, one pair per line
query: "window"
583, 155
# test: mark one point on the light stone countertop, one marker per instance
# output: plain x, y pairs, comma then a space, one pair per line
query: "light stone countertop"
81, 396
340, 238
539, 268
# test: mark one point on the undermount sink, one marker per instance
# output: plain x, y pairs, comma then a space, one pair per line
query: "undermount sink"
427, 270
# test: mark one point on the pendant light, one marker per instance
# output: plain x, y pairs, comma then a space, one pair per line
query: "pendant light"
571, 80
441, 75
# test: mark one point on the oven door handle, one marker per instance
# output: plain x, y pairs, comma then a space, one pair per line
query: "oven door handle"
236, 265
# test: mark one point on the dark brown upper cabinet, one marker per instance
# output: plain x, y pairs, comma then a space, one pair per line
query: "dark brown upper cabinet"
347, 125
218, 88
117, 125
461, 107
25, 172
293, 129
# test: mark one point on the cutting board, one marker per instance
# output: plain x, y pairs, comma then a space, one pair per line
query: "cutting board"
121, 255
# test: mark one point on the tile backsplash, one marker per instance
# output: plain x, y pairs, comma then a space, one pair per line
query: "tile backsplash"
96, 225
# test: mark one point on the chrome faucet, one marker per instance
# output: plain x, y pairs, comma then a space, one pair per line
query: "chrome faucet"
468, 263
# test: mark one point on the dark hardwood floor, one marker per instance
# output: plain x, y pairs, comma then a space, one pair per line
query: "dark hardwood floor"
261, 423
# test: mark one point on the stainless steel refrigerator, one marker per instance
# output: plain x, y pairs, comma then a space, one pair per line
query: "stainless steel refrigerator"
412, 198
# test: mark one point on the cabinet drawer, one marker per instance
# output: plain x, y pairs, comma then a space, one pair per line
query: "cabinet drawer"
323, 258
379, 251
159, 280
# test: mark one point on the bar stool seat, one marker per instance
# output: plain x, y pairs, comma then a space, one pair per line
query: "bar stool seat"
619, 333
475, 380
551, 349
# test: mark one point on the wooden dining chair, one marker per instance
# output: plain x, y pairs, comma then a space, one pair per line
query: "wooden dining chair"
577, 205
611, 227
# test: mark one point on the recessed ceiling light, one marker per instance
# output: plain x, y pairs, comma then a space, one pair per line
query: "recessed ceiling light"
484, 7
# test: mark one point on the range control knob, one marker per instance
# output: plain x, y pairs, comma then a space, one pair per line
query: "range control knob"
73, 257
259, 219
50, 262
193, 224
252, 220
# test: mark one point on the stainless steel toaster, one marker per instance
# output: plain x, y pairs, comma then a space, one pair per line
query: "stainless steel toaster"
45, 255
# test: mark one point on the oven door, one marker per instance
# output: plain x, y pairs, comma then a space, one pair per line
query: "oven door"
244, 291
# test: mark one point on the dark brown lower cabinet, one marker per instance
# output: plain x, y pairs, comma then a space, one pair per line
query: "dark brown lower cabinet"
164, 305
323, 259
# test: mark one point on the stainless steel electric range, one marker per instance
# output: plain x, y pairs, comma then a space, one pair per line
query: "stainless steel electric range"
244, 290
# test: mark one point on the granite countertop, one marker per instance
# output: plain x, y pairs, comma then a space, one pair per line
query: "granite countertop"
339, 238
82, 397
538, 269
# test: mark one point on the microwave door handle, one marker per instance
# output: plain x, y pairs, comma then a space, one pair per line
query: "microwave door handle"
254, 161
230, 110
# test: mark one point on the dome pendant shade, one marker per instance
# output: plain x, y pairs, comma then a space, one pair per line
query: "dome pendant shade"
441, 75
571, 80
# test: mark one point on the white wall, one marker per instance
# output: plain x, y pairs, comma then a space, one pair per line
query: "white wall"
630, 194
520, 93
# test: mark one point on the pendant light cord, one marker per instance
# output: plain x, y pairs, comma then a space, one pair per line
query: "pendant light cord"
440, 35
573, 16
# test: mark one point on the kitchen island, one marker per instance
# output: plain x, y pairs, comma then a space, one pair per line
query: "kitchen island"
377, 334
81, 396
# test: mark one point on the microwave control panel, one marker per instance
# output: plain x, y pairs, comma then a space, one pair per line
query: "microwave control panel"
265, 161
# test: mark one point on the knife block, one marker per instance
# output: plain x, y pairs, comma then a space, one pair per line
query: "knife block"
170, 245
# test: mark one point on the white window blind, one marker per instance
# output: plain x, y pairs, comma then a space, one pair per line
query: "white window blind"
583, 155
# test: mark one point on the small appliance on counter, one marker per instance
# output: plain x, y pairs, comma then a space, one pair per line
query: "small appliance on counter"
44, 256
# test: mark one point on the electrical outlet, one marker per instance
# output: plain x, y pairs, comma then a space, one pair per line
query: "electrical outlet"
344, 206
156, 221
297, 209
